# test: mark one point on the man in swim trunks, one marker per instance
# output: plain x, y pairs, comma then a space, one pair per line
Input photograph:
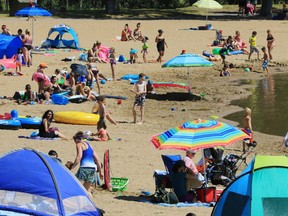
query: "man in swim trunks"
139, 88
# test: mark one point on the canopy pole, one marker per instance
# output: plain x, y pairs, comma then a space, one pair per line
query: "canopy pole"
206, 15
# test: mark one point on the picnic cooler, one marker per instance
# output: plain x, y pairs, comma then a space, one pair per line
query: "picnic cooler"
206, 195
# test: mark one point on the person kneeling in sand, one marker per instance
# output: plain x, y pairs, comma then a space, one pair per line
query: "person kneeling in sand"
139, 88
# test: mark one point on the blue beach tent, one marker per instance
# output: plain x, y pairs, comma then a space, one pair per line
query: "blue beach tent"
9, 45
33, 183
64, 37
260, 190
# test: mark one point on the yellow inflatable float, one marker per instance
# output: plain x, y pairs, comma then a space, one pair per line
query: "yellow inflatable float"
75, 117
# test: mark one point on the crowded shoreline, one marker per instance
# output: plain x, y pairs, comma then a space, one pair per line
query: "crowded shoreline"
132, 152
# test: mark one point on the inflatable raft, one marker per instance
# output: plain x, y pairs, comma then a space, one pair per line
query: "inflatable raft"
11, 124
75, 117
28, 122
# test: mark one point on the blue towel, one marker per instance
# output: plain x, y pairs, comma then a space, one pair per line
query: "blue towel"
181, 204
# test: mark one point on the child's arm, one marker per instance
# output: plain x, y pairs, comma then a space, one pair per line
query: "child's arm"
133, 89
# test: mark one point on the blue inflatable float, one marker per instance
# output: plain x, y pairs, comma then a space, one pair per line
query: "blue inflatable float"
11, 124
28, 122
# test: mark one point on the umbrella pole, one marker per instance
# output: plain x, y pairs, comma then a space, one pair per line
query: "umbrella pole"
189, 80
204, 167
206, 15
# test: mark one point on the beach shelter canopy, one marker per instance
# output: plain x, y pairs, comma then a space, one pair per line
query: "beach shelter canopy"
187, 60
260, 189
208, 5
34, 183
65, 37
9, 45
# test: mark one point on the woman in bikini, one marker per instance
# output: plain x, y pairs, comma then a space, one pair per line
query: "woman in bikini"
137, 33
126, 34
270, 43
160, 40
27, 47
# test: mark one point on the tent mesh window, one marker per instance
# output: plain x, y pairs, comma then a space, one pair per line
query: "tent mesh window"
275, 206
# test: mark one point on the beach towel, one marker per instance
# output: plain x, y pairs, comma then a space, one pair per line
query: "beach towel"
37, 138
180, 204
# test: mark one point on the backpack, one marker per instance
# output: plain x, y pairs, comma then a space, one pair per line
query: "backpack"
163, 196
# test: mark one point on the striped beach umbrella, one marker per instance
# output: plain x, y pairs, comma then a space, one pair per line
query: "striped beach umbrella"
198, 134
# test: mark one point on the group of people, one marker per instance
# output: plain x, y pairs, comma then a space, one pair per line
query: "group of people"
236, 43
136, 35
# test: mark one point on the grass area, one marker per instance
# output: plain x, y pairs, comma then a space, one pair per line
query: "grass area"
155, 13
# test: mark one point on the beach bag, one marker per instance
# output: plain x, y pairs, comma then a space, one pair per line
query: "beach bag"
163, 196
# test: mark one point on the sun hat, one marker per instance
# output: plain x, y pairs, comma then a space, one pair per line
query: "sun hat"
43, 65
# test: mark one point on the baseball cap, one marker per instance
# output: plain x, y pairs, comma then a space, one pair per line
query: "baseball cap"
44, 65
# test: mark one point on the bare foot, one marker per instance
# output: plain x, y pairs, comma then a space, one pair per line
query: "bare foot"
140, 122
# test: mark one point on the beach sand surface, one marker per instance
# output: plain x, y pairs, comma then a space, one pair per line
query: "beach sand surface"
134, 156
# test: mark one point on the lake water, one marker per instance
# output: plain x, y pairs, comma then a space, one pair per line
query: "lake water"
269, 105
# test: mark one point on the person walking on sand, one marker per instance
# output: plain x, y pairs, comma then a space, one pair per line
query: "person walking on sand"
265, 61
161, 43
253, 44
139, 88
270, 43
89, 162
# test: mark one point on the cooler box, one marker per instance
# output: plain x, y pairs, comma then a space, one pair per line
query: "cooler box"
206, 195
218, 193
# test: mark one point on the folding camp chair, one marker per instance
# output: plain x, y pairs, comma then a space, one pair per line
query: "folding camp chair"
163, 178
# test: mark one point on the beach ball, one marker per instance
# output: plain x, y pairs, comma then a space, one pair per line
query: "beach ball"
14, 114
103, 81
246, 69
119, 102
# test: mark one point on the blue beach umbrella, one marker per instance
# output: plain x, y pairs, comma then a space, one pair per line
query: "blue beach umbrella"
187, 60
32, 11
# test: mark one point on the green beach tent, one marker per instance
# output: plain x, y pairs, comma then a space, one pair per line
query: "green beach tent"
261, 189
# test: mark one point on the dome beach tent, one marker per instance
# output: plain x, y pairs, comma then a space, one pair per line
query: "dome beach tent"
261, 189
33, 183
61, 32
9, 45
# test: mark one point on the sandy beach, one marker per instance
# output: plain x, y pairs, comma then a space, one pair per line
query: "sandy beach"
134, 156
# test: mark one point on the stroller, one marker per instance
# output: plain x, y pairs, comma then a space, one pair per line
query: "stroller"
224, 171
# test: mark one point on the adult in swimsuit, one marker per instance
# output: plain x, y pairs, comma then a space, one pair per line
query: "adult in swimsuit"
89, 162
160, 40
45, 131
137, 33
270, 43
27, 47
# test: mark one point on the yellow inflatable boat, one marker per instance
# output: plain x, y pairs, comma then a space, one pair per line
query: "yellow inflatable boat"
75, 117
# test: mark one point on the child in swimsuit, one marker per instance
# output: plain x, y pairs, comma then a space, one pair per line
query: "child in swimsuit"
225, 71
112, 58
101, 135
18, 59
265, 61
144, 48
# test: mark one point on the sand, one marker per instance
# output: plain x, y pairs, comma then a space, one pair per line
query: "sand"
134, 156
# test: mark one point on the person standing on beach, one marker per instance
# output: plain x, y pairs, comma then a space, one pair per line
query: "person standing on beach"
112, 59
247, 122
270, 43
100, 108
161, 43
253, 43
265, 61
139, 88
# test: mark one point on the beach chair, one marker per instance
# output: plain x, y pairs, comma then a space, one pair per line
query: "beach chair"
163, 178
